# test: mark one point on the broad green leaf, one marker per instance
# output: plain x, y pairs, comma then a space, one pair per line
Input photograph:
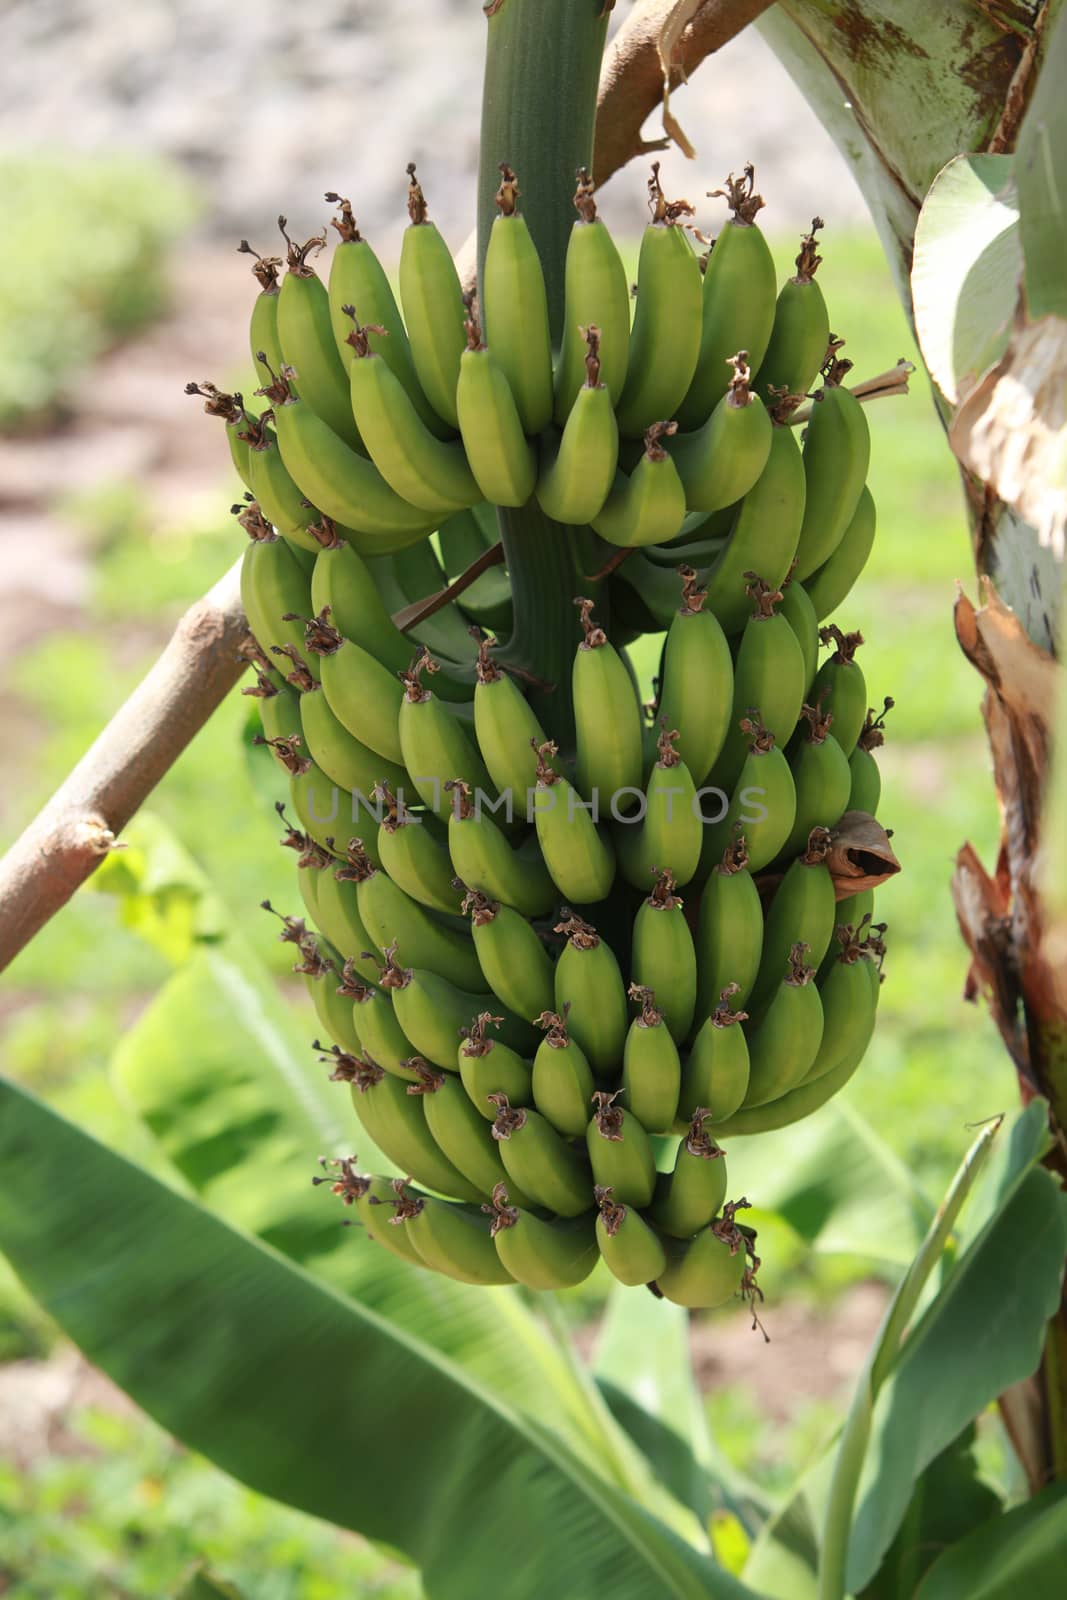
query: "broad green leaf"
203, 1585
1041, 168
1023, 1552
965, 271
310, 1398
242, 1109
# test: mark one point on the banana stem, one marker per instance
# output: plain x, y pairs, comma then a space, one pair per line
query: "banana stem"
542, 68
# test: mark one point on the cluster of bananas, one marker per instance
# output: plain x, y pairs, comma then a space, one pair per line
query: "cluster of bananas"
510, 982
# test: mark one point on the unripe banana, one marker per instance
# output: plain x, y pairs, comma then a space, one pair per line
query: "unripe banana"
483, 859
715, 1076
488, 1068
707, 1270
279, 713
620, 1152
344, 759
432, 298
632, 1252
463, 1135
394, 920
848, 1001
579, 858
274, 586
431, 1011
407, 578
502, 459
801, 331
263, 327
507, 729
832, 582
822, 777
796, 607
687, 1198
339, 919
840, 686
698, 675
648, 506
668, 833
729, 936
364, 696
427, 471
539, 1254
374, 1200
412, 856
319, 965
452, 1239
783, 1046
562, 1077
837, 452
514, 962
738, 300
230, 407
769, 673
380, 1035
665, 340
595, 291
305, 338
664, 957
540, 1161
577, 472
591, 993
651, 1071
803, 911
311, 859
433, 745
342, 584
855, 911
795, 1105
396, 1122
276, 494
764, 533
358, 279
318, 803
764, 801
721, 461
606, 714
865, 781
515, 308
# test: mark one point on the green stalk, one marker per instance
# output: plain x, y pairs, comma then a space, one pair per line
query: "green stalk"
542, 67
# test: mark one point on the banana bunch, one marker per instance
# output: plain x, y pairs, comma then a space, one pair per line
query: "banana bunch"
560, 966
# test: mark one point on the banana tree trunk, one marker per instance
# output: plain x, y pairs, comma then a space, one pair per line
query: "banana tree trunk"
903, 88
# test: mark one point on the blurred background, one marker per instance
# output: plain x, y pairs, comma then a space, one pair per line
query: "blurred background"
136, 148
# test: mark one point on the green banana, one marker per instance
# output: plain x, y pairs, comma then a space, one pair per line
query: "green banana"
708, 1269
832, 582
514, 961
431, 1012
729, 936
720, 462
631, 1251
837, 452
274, 586
339, 919
364, 696
230, 407
764, 533
462, 1133
840, 687
865, 781
392, 917
848, 1001
620, 1152
276, 494
803, 911
651, 1070
596, 291
797, 609
332, 1008
380, 1035
410, 576
280, 714
822, 778
317, 802
346, 761
689, 1196
263, 327
412, 856
665, 339
769, 673
764, 801
427, 471
578, 855
577, 470
591, 993
396, 1121
738, 299
434, 747
783, 1045
607, 717
483, 859
668, 832
452, 1239
715, 1075
515, 308
373, 1199
432, 298
312, 861
648, 506
539, 1254
562, 1077
663, 956
795, 1105
501, 457
697, 679
801, 331
540, 1161
489, 1069
305, 338
506, 727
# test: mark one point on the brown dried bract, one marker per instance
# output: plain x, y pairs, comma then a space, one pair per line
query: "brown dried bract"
860, 856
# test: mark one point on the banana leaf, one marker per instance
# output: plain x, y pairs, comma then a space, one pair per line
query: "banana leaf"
1022, 1552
